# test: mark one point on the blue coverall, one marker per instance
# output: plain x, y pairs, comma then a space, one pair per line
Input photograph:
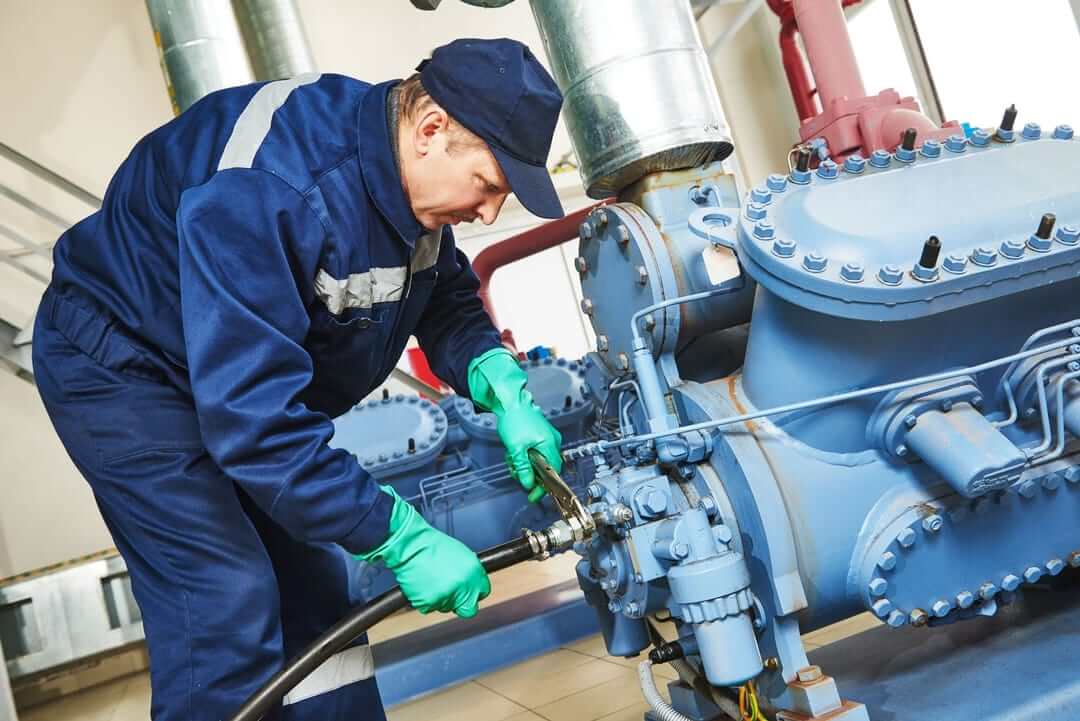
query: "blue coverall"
254, 271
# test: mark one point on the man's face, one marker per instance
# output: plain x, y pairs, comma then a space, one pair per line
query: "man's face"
449, 175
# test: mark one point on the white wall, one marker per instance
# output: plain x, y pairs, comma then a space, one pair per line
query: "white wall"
80, 83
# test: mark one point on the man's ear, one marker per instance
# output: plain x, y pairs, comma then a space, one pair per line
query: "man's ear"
431, 124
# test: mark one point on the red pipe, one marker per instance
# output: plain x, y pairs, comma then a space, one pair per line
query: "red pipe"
522, 245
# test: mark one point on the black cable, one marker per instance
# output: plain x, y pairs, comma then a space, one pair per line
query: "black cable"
357, 622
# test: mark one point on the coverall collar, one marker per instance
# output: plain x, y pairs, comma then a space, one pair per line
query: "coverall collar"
377, 164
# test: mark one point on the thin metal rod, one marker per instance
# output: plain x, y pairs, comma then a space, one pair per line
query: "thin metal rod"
417, 385
33, 207
25, 242
44, 173
916, 57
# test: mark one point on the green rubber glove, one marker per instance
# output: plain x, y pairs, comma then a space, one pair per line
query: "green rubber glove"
497, 384
435, 571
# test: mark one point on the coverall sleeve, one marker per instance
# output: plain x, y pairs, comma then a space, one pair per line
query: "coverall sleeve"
248, 245
454, 327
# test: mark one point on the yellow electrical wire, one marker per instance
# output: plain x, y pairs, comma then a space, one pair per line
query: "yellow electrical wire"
748, 703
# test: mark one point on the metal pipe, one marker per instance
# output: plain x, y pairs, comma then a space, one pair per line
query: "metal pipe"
828, 48
639, 96
40, 171
200, 46
274, 35
523, 245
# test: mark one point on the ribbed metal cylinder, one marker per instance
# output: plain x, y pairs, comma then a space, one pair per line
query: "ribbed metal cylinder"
274, 34
201, 48
639, 95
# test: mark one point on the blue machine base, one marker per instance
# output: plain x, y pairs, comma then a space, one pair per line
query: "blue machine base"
1020, 665
433, 658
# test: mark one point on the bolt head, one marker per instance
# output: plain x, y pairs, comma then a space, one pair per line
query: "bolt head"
979, 138
602, 343
1063, 132
581, 264
878, 587
931, 148
887, 561
827, 169
984, 256
814, 262
1055, 566
1032, 131
642, 275
633, 609
586, 306
882, 608
756, 211
1027, 489
1051, 482
956, 143
1010, 582
595, 491
890, 274
987, 591
1072, 474
1068, 234
901, 450
880, 159
783, 247
600, 216
1032, 574
1074, 559
764, 230
649, 321
622, 362
932, 523
955, 264
896, 619
911, 421
809, 674
761, 194
906, 538
776, 183
852, 272
1039, 245
800, 177
680, 550
941, 608
615, 605
918, 617
1012, 249
622, 237
585, 231
964, 599
855, 163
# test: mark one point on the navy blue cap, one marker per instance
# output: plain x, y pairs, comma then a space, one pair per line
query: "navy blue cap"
501, 92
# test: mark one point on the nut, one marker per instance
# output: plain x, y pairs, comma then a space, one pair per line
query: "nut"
809, 674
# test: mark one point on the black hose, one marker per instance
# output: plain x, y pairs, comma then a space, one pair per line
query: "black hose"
357, 622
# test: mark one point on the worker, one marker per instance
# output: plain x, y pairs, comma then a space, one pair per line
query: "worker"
256, 269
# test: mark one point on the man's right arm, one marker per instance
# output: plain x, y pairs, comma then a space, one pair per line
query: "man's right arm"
243, 237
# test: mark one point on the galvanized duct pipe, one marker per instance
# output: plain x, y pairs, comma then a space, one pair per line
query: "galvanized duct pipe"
639, 95
275, 39
200, 46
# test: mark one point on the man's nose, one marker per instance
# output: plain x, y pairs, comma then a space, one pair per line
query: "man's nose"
488, 211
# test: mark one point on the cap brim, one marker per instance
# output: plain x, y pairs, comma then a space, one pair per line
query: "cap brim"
531, 184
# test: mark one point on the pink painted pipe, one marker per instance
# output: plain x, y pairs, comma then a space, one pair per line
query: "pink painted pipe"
828, 47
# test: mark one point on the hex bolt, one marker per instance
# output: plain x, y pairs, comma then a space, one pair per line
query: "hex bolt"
882, 608
722, 534
756, 211
814, 262
955, 264
761, 194
642, 275
622, 513
1072, 474
956, 143
585, 232
809, 674
1026, 489
964, 599
930, 252
979, 138
918, 617
1068, 234
772, 663
828, 169
622, 237
906, 152
802, 160
783, 247
412, 445
878, 587
649, 321
1051, 482
887, 561
709, 506
941, 608
932, 523
1010, 582
601, 216
776, 183
602, 343
896, 619
946, 405
623, 362
1012, 249
1046, 226
906, 538
581, 264
1008, 120
901, 450
855, 163
880, 158
595, 491
985, 257
763, 230
615, 605
987, 591
852, 272
911, 421
1031, 131
1074, 559
586, 306
890, 275
931, 148
633, 609
1055, 566
1063, 132
1032, 574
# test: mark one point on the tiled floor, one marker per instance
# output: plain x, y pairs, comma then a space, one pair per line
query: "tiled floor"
579, 682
